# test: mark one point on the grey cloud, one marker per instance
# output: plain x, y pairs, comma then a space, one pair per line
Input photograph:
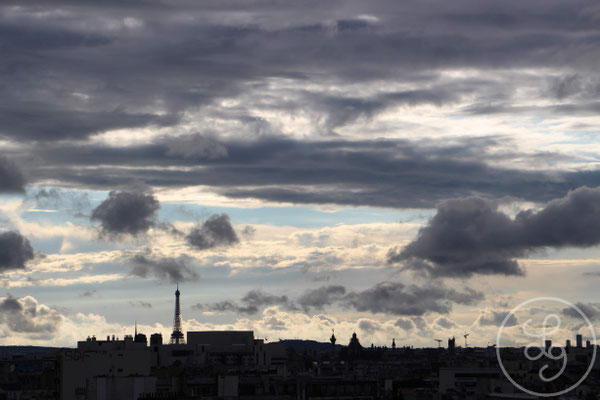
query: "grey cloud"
25, 315
140, 303
54, 198
15, 251
258, 298
592, 311
320, 297
587, 107
196, 146
343, 110
251, 303
405, 324
11, 178
420, 322
10, 304
387, 297
44, 122
565, 86
275, 324
216, 231
88, 293
229, 306
126, 213
368, 325
248, 232
496, 318
398, 299
471, 236
255, 300
163, 268
445, 323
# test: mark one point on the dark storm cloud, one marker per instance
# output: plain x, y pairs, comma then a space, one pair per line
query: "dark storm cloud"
15, 251
216, 231
11, 178
25, 315
471, 236
385, 173
162, 268
126, 213
398, 299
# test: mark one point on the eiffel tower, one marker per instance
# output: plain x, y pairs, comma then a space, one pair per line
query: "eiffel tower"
177, 335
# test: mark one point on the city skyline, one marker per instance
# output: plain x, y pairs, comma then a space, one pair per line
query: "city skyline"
406, 171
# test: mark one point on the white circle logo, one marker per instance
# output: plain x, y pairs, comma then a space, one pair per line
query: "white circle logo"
549, 361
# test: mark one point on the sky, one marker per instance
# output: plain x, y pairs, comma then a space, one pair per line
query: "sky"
403, 170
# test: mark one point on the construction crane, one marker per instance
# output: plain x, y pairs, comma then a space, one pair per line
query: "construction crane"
466, 335
439, 342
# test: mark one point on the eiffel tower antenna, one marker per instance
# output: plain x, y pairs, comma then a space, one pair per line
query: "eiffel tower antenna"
177, 335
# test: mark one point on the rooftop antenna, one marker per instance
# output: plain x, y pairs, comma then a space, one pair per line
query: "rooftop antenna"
466, 335
439, 342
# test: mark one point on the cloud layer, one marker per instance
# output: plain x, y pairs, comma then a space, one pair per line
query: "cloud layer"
292, 94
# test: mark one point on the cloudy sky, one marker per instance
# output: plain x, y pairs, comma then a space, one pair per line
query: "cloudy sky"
407, 170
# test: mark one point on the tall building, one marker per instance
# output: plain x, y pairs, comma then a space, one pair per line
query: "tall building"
451, 345
579, 339
177, 335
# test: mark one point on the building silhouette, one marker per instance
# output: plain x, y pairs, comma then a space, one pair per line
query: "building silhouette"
235, 364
